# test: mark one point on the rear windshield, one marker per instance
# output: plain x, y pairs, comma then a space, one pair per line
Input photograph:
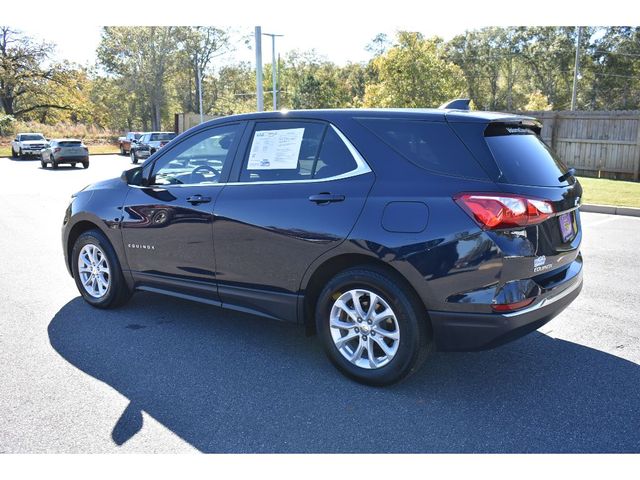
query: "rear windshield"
24, 138
162, 137
430, 145
523, 158
69, 144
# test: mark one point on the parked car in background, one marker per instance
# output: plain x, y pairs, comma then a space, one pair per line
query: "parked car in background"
28, 144
65, 150
387, 232
125, 142
148, 144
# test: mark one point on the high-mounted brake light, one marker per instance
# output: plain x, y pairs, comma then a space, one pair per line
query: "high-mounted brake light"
497, 210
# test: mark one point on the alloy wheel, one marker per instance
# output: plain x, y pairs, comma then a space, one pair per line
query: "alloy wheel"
94, 271
364, 329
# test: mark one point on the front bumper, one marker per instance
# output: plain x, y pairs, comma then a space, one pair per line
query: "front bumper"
31, 153
456, 331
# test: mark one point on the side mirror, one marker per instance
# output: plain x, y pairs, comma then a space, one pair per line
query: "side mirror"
132, 176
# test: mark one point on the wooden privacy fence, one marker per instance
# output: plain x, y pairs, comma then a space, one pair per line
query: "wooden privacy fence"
602, 144
184, 121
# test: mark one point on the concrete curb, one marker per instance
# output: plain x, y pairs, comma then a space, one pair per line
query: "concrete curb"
611, 210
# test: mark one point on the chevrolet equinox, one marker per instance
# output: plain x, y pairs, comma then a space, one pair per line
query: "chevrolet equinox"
388, 233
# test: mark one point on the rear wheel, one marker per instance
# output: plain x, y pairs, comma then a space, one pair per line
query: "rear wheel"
85, 165
73, 164
134, 157
97, 271
54, 165
122, 152
372, 330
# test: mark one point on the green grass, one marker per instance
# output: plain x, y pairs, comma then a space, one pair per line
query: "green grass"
96, 149
610, 192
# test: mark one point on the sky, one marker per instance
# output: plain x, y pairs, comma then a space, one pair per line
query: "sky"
339, 30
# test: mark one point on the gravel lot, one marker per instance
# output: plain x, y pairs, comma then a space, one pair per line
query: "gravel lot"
165, 375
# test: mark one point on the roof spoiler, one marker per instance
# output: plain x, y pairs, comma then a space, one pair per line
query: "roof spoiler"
457, 104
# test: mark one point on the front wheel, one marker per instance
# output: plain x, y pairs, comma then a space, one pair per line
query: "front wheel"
43, 164
13, 153
122, 152
372, 330
97, 271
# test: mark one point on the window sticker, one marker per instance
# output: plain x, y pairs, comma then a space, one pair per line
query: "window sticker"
275, 149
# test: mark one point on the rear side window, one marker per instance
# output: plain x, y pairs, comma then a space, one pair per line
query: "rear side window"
295, 150
430, 145
523, 159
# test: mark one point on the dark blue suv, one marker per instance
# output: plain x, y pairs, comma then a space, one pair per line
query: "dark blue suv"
387, 232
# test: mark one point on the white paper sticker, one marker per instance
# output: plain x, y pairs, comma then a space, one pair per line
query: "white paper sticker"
275, 149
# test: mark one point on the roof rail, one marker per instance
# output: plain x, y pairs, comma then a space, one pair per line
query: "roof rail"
457, 104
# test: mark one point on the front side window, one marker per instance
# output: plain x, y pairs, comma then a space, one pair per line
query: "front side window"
295, 150
198, 159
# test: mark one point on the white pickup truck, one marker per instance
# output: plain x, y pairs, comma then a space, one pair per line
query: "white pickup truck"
28, 144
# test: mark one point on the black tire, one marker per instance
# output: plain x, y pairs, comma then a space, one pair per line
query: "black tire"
21, 155
118, 293
54, 165
43, 164
134, 157
73, 165
122, 152
415, 337
85, 165
13, 153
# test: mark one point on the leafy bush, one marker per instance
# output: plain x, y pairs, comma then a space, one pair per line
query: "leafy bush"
7, 125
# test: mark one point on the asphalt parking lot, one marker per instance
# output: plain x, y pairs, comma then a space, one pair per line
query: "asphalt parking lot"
166, 375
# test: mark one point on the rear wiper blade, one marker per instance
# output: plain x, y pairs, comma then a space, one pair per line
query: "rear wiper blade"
570, 173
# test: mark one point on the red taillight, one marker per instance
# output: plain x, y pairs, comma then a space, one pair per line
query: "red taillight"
56, 150
497, 210
510, 307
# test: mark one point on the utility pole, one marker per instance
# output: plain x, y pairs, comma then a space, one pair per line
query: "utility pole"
576, 69
199, 89
260, 92
274, 81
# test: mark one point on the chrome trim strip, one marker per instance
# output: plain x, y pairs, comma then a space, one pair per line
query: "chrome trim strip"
548, 300
362, 167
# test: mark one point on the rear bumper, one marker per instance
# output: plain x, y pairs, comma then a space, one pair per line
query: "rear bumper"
455, 331
72, 158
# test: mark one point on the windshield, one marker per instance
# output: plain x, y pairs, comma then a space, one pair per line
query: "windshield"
162, 137
24, 138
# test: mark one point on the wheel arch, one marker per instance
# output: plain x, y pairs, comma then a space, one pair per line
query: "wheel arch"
78, 229
334, 265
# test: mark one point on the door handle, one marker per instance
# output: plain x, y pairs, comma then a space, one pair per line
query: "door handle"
324, 197
197, 199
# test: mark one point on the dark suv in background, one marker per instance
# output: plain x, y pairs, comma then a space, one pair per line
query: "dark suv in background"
148, 143
387, 232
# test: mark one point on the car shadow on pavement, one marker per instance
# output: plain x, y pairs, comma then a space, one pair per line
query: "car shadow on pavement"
227, 382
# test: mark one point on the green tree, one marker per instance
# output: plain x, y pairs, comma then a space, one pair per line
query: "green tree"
143, 58
414, 73
25, 84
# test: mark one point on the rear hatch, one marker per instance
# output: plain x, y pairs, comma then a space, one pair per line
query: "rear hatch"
522, 167
71, 148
